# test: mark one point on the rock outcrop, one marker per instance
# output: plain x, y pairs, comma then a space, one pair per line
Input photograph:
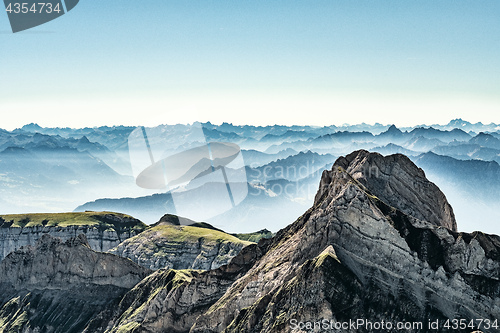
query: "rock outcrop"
395, 179
171, 301
59, 286
103, 230
171, 245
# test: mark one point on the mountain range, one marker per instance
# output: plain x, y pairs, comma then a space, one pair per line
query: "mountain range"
65, 169
378, 250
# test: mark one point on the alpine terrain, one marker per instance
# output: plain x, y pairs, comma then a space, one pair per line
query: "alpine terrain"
380, 245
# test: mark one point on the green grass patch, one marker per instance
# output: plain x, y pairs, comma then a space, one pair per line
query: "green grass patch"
255, 236
191, 234
92, 219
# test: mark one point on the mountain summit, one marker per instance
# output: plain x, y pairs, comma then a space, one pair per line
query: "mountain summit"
397, 181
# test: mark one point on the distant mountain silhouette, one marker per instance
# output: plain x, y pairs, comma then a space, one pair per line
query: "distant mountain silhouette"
54, 169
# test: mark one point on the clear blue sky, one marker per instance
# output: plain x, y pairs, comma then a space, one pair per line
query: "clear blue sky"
257, 62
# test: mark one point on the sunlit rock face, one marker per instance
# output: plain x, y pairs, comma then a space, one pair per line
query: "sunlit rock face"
113, 228
167, 246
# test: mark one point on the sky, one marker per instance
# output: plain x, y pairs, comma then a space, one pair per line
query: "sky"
255, 62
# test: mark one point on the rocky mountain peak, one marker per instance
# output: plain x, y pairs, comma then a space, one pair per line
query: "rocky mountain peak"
397, 181
32, 127
365, 250
393, 129
84, 140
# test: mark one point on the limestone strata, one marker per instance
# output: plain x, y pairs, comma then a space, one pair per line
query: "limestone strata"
167, 246
171, 301
59, 286
101, 240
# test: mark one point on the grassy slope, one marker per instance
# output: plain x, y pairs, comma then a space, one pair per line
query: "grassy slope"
255, 236
68, 219
98, 219
188, 233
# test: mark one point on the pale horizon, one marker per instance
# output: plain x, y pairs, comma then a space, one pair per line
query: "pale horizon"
255, 62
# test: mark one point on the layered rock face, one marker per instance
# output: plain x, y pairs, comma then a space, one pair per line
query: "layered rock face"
352, 256
59, 286
111, 231
381, 263
167, 246
396, 180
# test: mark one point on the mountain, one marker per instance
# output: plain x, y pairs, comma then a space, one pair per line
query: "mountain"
476, 178
468, 126
392, 135
392, 148
255, 237
379, 244
103, 230
288, 136
254, 158
388, 178
382, 248
421, 144
277, 192
486, 140
167, 245
32, 127
271, 203
445, 136
292, 168
54, 177
340, 139
172, 300
58, 169
38, 141
147, 208
468, 151
57, 286
112, 137
216, 135
473, 187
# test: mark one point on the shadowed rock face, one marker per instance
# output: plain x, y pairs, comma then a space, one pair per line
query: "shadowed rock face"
58, 286
171, 300
54, 263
